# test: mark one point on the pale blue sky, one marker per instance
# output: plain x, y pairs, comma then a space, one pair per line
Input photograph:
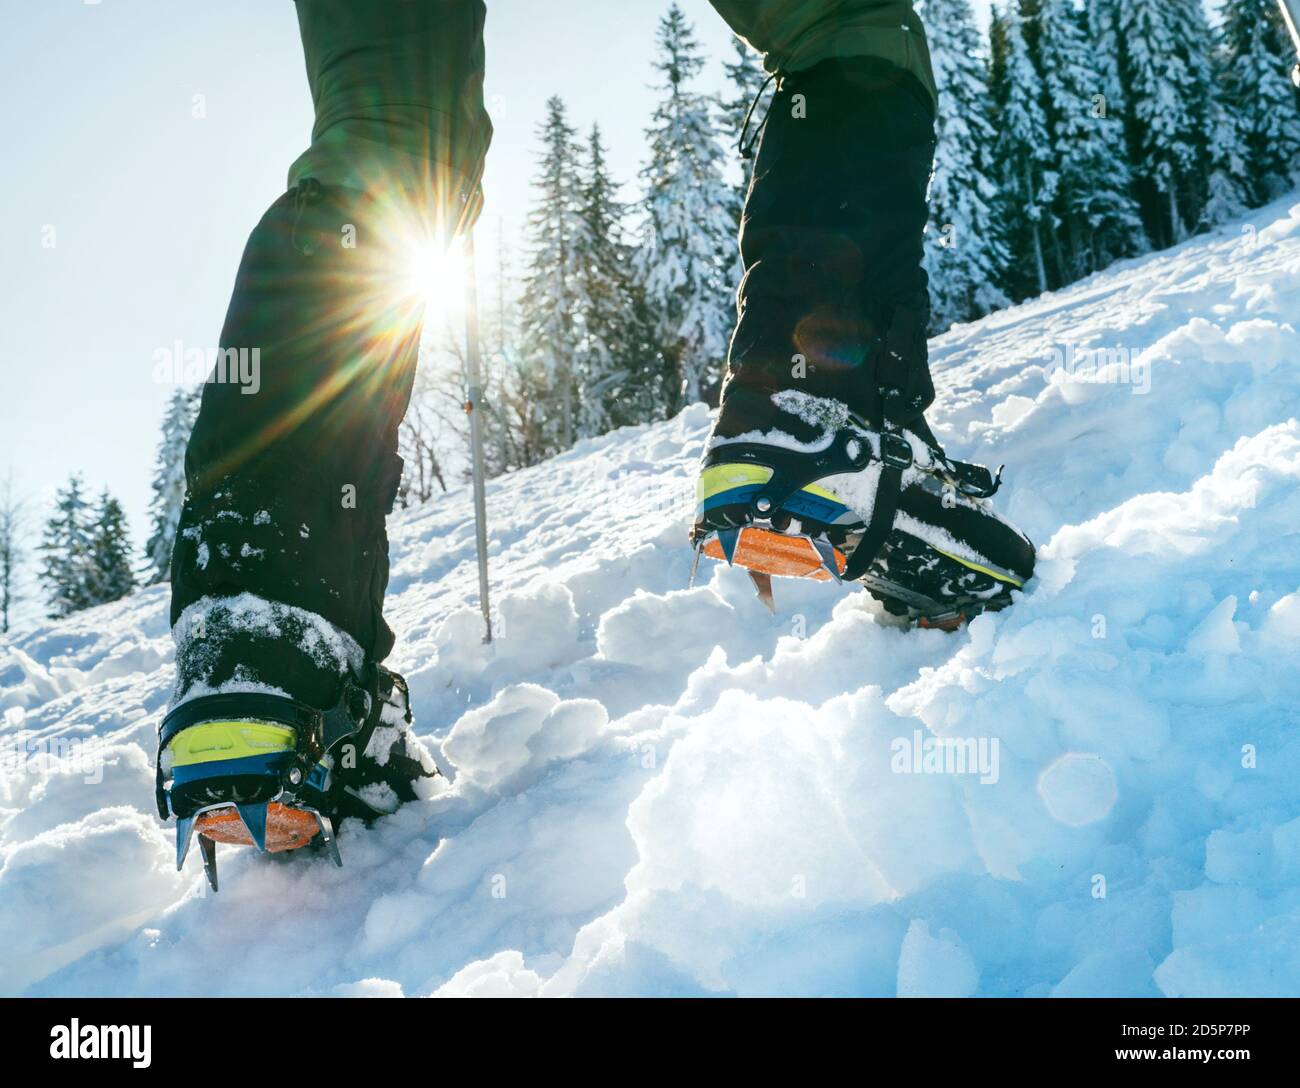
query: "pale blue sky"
150, 207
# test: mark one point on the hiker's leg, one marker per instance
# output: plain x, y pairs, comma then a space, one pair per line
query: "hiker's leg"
834, 300
292, 471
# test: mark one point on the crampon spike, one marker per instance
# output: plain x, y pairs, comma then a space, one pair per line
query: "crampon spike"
254, 818
763, 584
728, 539
695, 565
327, 836
209, 850
830, 564
184, 832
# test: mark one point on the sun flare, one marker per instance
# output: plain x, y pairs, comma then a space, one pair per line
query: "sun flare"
435, 276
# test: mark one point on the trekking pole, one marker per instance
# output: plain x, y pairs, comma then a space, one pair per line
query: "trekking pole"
1291, 16
473, 406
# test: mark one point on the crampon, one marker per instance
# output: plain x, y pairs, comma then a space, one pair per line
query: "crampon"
884, 509
262, 770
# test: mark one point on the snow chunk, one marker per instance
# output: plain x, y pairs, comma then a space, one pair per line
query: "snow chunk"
504, 975
524, 728
69, 889
666, 632
939, 966
1009, 412
1283, 619
1216, 634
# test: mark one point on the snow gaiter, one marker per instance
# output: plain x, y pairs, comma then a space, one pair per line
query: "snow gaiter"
834, 299
292, 465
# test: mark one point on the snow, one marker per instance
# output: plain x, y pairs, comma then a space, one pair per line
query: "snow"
660, 790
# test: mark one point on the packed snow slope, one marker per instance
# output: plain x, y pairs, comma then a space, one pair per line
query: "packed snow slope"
662, 790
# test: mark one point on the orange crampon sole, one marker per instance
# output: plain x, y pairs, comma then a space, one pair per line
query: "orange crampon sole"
286, 828
946, 623
769, 552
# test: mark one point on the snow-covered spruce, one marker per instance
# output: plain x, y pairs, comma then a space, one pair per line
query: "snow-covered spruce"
550, 300
965, 254
1099, 217
688, 248
1027, 178
1252, 62
169, 481
1169, 89
85, 551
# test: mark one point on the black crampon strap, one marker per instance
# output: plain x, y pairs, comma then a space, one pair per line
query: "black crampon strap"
974, 481
895, 456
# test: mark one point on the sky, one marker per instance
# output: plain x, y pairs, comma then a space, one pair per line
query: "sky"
144, 139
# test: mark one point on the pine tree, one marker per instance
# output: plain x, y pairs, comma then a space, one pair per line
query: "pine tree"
688, 252
66, 565
1101, 19
169, 482
608, 392
12, 519
110, 577
1227, 190
1252, 64
1027, 180
551, 298
1168, 85
964, 251
1099, 216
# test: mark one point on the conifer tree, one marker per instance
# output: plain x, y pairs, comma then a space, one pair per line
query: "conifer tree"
551, 291
1027, 180
964, 251
1100, 20
607, 311
1227, 191
1164, 51
1098, 214
688, 254
66, 564
110, 576
169, 482
13, 516
1252, 66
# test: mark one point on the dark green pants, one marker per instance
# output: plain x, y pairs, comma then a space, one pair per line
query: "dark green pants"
288, 487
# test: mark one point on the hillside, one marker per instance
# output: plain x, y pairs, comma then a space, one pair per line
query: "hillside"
656, 790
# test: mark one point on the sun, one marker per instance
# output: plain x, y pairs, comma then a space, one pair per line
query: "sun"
434, 275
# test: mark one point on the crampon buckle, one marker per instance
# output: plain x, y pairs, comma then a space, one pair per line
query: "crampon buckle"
895, 450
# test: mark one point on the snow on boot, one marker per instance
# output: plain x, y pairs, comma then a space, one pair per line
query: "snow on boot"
279, 727
390, 765
816, 492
